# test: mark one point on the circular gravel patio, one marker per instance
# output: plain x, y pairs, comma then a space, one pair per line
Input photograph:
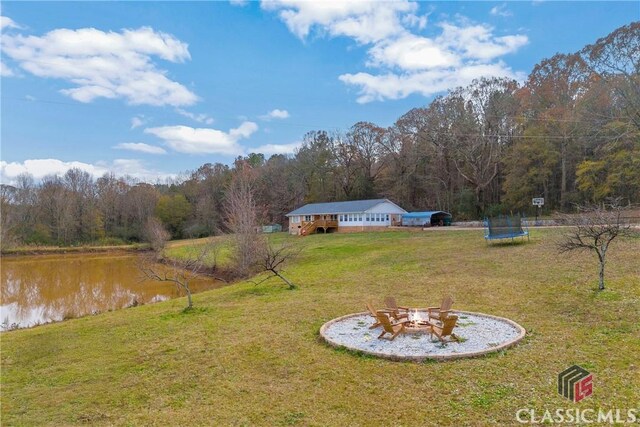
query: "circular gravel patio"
480, 334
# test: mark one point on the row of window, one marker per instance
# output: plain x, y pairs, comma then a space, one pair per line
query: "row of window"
349, 218
367, 217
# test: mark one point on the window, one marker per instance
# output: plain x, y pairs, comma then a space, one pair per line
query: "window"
307, 217
387, 217
367, 218
341, 218
360, 217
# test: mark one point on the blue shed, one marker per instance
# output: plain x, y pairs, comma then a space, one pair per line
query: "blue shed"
426, 219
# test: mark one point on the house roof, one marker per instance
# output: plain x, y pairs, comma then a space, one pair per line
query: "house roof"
353, 206
426, 214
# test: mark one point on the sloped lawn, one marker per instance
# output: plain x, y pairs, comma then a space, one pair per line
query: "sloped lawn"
251, 355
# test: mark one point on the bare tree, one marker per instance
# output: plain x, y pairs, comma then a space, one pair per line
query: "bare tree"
273, 259
240, 209
157, 236
179, 272
595, 228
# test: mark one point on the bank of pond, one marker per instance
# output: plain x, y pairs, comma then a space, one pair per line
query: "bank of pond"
41, 289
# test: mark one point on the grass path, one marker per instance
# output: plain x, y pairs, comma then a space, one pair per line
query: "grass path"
251, 355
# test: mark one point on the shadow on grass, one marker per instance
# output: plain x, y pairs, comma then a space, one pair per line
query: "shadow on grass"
605, 294
186, 312
356, 353
503, 244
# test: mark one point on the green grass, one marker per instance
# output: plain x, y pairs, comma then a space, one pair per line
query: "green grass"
251, 355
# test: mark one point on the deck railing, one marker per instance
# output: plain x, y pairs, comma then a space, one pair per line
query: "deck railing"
321, 223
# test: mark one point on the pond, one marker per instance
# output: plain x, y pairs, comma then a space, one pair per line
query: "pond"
49, 288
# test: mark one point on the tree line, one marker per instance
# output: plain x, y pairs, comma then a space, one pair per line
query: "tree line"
570, 133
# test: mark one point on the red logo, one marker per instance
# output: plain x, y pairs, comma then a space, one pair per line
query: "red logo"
575, 383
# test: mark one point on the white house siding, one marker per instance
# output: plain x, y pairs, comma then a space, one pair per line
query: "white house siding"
386, 208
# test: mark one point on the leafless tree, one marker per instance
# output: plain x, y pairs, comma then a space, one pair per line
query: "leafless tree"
273, 258
7, 194
240, 210
595, 227
179, 272
157, 236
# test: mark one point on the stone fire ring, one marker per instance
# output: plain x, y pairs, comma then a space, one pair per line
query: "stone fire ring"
480, 334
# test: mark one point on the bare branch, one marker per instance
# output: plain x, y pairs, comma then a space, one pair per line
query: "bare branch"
178, 272
594, 228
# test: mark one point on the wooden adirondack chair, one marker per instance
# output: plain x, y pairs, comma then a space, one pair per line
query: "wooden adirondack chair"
388, 327
439, 313
398, 310
446, 330
373, 312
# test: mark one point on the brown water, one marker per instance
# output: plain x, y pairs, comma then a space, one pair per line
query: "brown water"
49, 288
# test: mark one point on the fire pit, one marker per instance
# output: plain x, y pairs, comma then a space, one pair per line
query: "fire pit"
418, 322
479, 334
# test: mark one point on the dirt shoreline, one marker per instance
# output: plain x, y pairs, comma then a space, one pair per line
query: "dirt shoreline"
53, 250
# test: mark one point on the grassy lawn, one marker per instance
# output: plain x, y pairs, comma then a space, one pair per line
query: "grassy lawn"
251, 355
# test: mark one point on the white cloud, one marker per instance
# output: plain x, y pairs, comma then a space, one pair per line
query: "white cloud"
137, 121
105, 64
501, 10
426, 83
275, 114
6, 22
136, 169
411, 20
411, 52
186, 139
363, 20
40, 168
5, 71
478, 41
141, 147
240, 3
270, 149
404, 62
200, 118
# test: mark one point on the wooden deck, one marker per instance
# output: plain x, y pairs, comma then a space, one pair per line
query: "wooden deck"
310, 227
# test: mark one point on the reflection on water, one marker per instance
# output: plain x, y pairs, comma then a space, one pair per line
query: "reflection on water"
42, 289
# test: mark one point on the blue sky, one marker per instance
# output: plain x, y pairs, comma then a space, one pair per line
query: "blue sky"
152, 89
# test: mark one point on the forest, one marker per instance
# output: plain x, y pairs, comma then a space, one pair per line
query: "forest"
570, 133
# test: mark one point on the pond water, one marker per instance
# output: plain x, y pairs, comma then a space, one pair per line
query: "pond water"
49, 288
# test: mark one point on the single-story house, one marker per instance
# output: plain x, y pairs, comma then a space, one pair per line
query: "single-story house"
356, 215
426, 219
